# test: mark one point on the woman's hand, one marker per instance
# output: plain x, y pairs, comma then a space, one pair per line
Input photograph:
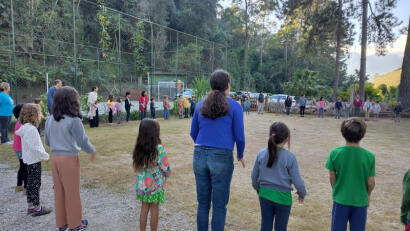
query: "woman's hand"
301, 200
242, 162
92, 157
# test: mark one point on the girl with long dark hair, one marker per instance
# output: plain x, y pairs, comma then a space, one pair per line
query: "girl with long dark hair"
65, 135
273, 174
152, 168
216, 126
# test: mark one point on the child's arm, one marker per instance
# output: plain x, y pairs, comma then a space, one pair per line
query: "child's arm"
255, 175
297, 179
164, 163
371, 183
78, 133
332, 178
36, 147
194, 126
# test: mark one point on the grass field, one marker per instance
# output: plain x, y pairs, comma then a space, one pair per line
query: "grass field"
311, 141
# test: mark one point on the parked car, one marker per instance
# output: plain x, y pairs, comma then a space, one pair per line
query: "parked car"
233, 95
187, 92
282, 98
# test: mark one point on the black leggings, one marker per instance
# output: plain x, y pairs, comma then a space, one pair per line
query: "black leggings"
110, 116
22, 174
302, 110
34, 183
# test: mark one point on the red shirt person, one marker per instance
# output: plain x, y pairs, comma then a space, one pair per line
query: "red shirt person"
357, 104
143, 102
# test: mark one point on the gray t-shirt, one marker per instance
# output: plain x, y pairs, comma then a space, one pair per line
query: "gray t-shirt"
283, 173
67, 136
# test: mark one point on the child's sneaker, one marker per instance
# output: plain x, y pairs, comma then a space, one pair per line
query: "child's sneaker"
64, 228
30, 211
19, 188
82, 227
43, 211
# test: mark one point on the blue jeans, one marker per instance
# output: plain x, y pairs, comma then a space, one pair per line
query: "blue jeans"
166, 114
356, 216
213, 168
287, 110
321, 112
4, 128
270, 211
142, 114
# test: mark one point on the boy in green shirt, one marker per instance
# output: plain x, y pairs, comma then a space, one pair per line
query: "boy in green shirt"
405, 204
351, 174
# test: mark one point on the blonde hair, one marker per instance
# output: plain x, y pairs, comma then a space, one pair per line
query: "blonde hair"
4, 86
30, 113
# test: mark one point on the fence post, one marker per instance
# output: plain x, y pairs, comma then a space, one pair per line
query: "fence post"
177, 56
14, 51
119, 51
74, 49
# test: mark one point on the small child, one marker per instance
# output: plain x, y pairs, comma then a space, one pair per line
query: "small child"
247, 105
273, 174
33, 153
186, 107
397, 110
193, 105
22, 173
405, 204
152, 108
377, 109
351, 173
321, 106
152, 169
128, 105
39, 102
65, 135
347, 106
180, 106
118, 109
367, 108
165, 104
110, 108
338, 108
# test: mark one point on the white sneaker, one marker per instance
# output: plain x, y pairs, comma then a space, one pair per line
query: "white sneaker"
8, 142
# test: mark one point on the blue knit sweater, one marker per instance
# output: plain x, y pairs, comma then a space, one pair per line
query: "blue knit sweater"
223, 132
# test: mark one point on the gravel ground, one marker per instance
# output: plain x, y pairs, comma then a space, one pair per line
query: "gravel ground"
104, 209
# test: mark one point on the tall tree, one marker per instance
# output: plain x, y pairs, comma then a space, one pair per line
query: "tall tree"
404, 88
339, 35
363, 52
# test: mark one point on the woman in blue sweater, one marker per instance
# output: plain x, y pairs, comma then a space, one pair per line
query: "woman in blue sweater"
6, 110
216, 126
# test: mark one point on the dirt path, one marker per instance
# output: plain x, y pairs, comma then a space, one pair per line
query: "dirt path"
104, 209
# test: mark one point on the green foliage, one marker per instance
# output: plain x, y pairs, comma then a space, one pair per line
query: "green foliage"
135, 115
138, 44
104, 21
304, 82
44, 109
200, 87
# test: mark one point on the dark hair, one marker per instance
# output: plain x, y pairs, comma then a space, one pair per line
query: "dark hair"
110, 97
37, 100
278, 133
57, 81
17, 109
66, 102
165, 96
119, 99
127, 93
353, 129
93, 88
320, 98
260, 91
216, 105
145, 151
142, 93
152, 99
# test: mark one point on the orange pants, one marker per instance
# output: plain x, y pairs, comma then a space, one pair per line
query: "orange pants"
66, 178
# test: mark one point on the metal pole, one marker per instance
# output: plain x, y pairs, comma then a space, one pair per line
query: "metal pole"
119, 51
149, 88
47, 81
196, 52
177, 54
14, 51
213, 57
152, 57
74, 49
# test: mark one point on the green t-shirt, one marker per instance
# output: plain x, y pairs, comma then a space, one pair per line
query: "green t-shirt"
283, 198
353, 166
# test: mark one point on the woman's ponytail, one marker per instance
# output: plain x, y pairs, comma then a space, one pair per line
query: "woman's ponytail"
273, 151
216, 105
278, 133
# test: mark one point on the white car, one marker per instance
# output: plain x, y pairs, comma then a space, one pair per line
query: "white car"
282, 98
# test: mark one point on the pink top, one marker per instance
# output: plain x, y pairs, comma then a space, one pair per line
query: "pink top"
118, 107
321, 104
17, 139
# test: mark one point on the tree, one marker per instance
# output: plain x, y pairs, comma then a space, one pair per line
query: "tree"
304, 82
404, 88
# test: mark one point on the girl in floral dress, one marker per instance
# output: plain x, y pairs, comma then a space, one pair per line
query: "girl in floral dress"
152, 169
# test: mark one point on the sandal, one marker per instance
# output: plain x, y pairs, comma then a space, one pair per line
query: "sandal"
41, 212
83, 226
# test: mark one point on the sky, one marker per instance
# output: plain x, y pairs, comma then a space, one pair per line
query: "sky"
375, 64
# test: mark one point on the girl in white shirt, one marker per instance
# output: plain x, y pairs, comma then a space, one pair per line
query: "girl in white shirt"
33, 153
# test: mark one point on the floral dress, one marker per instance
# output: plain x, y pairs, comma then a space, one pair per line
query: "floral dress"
150, 182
